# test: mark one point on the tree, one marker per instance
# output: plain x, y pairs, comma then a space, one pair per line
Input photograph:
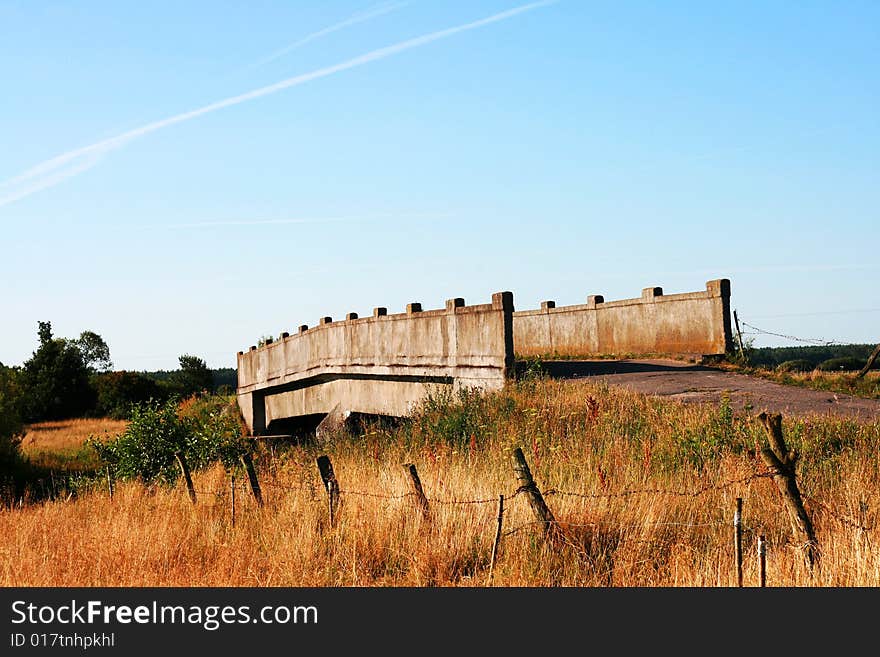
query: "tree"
117, 392
55, 380
194, 377
95, 352
11, 427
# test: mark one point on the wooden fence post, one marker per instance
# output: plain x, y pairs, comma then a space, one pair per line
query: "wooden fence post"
331, 485
870, 363
536, 501
782, 463
232, 495
248, 464
109, 482
762, 561
421, 500
497, 542
738, 540
739, 336
181, 461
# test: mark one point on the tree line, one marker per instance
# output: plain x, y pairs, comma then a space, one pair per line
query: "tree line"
830, 357
74, 377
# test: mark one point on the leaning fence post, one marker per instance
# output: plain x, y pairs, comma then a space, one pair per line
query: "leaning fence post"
738, 540
528, 486
181, 461
331, 485
109, 482
762, 561
248, 464
421, 500
782, 463
497, 542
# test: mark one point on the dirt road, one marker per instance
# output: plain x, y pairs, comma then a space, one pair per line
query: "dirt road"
699, 384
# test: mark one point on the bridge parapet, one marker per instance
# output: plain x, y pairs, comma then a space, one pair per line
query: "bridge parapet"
655, 323
381, 364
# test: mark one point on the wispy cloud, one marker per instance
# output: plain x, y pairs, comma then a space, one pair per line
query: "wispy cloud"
62, 167
34, 180
354, 19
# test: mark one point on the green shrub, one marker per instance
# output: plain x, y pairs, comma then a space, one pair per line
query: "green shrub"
156, 430
844, 363
796, 365
452, 417
719, 432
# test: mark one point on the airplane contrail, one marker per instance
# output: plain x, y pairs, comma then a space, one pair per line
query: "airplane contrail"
98, 149
360, 17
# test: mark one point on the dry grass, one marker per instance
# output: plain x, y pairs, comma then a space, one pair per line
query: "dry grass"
846, 383
645, 496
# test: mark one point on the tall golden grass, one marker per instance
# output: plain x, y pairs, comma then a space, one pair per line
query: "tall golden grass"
645, 495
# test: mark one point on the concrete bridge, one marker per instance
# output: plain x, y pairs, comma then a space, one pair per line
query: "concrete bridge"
382, 365
386, 364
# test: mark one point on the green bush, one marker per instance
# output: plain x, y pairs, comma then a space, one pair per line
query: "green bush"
844, 363
796, 365
156, 430
453, 417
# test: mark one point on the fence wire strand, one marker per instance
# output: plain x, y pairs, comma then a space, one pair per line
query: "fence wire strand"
824, 343
660, 491
843, 519
244, 486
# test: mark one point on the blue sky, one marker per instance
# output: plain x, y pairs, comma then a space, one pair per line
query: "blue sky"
418, 151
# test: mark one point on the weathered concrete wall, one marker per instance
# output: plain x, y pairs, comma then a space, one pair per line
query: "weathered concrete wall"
382, 364
690, 323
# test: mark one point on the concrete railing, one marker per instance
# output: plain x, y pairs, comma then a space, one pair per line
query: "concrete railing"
692, 323
383, 364
386, 364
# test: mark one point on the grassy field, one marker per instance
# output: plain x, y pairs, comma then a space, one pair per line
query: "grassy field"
643, 490
58, 445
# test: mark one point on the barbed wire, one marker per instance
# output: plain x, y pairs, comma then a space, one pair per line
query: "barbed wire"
845, 520
208, 492
563, 524
273, 484
379, 495
824, 343
483, 501
659, 491
244, 487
